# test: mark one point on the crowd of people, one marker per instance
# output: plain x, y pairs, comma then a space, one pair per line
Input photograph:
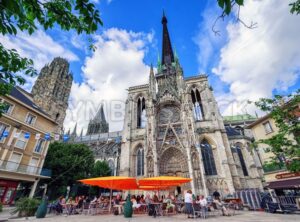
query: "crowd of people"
146, 203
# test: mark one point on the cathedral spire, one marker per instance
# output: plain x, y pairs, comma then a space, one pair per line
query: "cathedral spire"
167, 51
98, 124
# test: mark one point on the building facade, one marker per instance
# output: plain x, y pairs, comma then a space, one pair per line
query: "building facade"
265, 128
173, 126
26, 129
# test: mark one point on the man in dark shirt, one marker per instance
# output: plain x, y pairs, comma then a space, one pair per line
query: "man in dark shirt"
216, 195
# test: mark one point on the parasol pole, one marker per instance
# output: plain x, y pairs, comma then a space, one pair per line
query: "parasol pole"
110, 197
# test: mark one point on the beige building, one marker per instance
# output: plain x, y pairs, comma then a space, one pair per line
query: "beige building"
27, 127
265, 128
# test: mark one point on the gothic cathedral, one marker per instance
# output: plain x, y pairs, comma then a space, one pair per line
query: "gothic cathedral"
173, 127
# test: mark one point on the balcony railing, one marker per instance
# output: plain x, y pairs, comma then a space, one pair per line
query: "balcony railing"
22, 168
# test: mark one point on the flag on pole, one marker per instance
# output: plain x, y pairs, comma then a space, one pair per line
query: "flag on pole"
37, 136
47, 136
56, 137
66, 138
5, 134
27, 135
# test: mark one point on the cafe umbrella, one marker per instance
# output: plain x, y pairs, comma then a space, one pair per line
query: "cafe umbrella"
112, 183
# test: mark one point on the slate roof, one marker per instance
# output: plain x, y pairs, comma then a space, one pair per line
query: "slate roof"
17, 94
232, 132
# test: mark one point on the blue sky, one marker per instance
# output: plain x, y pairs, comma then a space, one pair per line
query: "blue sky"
242, 64
145, 16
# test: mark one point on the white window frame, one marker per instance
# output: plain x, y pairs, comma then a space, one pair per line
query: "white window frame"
265, 128
35, 171
34, 121
4, 139
23, 139
10, 109
9, 160
43, 146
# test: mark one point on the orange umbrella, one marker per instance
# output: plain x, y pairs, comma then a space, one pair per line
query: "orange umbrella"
163, 181
112, 182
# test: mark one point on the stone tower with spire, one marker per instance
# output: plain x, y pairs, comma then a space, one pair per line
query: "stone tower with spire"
52, 89
184, 134
98, 124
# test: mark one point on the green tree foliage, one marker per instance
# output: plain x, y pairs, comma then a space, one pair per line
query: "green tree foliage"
69, 163
228, 5
101, 169
30, 15
286, 143
295, 7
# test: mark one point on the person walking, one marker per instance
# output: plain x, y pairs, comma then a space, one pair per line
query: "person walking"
188, 200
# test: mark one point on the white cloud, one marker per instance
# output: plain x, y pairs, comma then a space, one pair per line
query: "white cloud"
207, 41
116, 65
254, 62
39, 47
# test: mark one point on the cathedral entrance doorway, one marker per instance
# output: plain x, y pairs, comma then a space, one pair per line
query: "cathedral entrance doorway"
173, 163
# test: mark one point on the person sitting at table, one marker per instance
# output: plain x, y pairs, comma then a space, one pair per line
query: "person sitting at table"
135, 205
117, 203
148, 199
117, 200
71, 204
155, 199
220, 204
138, 199
94, 200
80, 202
142, 200
170, 206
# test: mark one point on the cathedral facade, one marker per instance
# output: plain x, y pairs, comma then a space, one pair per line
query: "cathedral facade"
173, 127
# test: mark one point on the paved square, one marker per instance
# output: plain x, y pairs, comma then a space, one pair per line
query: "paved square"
241, 216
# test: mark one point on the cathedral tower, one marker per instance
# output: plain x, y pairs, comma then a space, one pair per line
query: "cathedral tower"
183, 134
52, 89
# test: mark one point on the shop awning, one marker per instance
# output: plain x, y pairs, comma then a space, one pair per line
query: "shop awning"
285, 184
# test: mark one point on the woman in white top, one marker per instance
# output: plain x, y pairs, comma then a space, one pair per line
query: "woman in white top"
188, 200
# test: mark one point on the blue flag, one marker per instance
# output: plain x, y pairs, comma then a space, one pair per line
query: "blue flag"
5, 134
27, 135
47, 136
66, 137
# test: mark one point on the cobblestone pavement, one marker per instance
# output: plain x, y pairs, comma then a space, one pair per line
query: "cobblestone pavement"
241, 216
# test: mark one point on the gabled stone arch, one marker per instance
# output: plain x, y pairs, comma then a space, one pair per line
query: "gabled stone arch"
173, 163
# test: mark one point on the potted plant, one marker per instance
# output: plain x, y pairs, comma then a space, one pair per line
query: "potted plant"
26, 207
